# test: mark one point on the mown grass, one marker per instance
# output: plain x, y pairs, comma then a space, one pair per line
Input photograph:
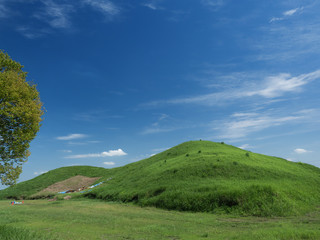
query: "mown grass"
94, 219
200, 176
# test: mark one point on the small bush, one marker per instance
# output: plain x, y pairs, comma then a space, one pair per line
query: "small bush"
247, 154
205, 235
199, 151
222, 142
187, 155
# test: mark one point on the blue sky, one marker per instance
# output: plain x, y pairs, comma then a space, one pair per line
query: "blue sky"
122, 80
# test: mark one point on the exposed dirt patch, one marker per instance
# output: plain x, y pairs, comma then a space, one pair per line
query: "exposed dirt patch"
73, 183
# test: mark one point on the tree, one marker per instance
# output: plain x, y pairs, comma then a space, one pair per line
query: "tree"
20, 117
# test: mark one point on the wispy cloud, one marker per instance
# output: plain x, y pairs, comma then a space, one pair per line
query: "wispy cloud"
40, 172
301, 151
276, 86
110, 153
150, 5
4, 12
105, 6
213, 4
109, 163
72, 136
164, 123
56, 15
31, 33
292, 11
270, 87
286, 14
274, 19
153, 130
48, 16
66, 151
245, 146
94, 116
241, 125
153, 4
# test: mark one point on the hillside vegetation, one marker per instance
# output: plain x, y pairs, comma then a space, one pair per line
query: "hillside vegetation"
28, 188
200, 176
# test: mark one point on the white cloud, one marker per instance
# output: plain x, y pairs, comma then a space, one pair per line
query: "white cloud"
153, 4
109, 163
245, 146
110, 153
39, 173
104, 6
270, 87
72, 136
150, 5
160, 125
301, 151
285, 14
274, 19
242, 125
66, 151
289, 41
153, 130
292, 11
276, 86
31, 33
56, 15
3, 10
213, 3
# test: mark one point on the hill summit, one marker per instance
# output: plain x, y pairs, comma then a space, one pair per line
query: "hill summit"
200, 176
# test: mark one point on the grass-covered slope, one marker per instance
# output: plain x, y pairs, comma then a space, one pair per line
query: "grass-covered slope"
35, 185
207, 176
200, 176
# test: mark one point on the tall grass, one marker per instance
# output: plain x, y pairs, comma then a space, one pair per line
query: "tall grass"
84, 219
12, 233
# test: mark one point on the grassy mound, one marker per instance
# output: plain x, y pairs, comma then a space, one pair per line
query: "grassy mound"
26, 189
201, 176
215, 177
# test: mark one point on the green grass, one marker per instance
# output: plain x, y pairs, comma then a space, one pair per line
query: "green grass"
94, 219
35, 185
200, 176
13, 233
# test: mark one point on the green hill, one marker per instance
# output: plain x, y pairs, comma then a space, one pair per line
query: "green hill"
35, 185
200, 176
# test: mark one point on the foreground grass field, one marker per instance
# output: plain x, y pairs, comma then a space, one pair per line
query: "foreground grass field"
94, 219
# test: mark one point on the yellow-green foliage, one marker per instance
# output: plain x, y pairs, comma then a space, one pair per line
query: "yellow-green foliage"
20, 117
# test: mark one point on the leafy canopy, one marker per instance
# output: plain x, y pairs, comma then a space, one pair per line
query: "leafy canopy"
20, 117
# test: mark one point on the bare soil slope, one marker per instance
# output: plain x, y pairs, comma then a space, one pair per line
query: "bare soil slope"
73, 183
